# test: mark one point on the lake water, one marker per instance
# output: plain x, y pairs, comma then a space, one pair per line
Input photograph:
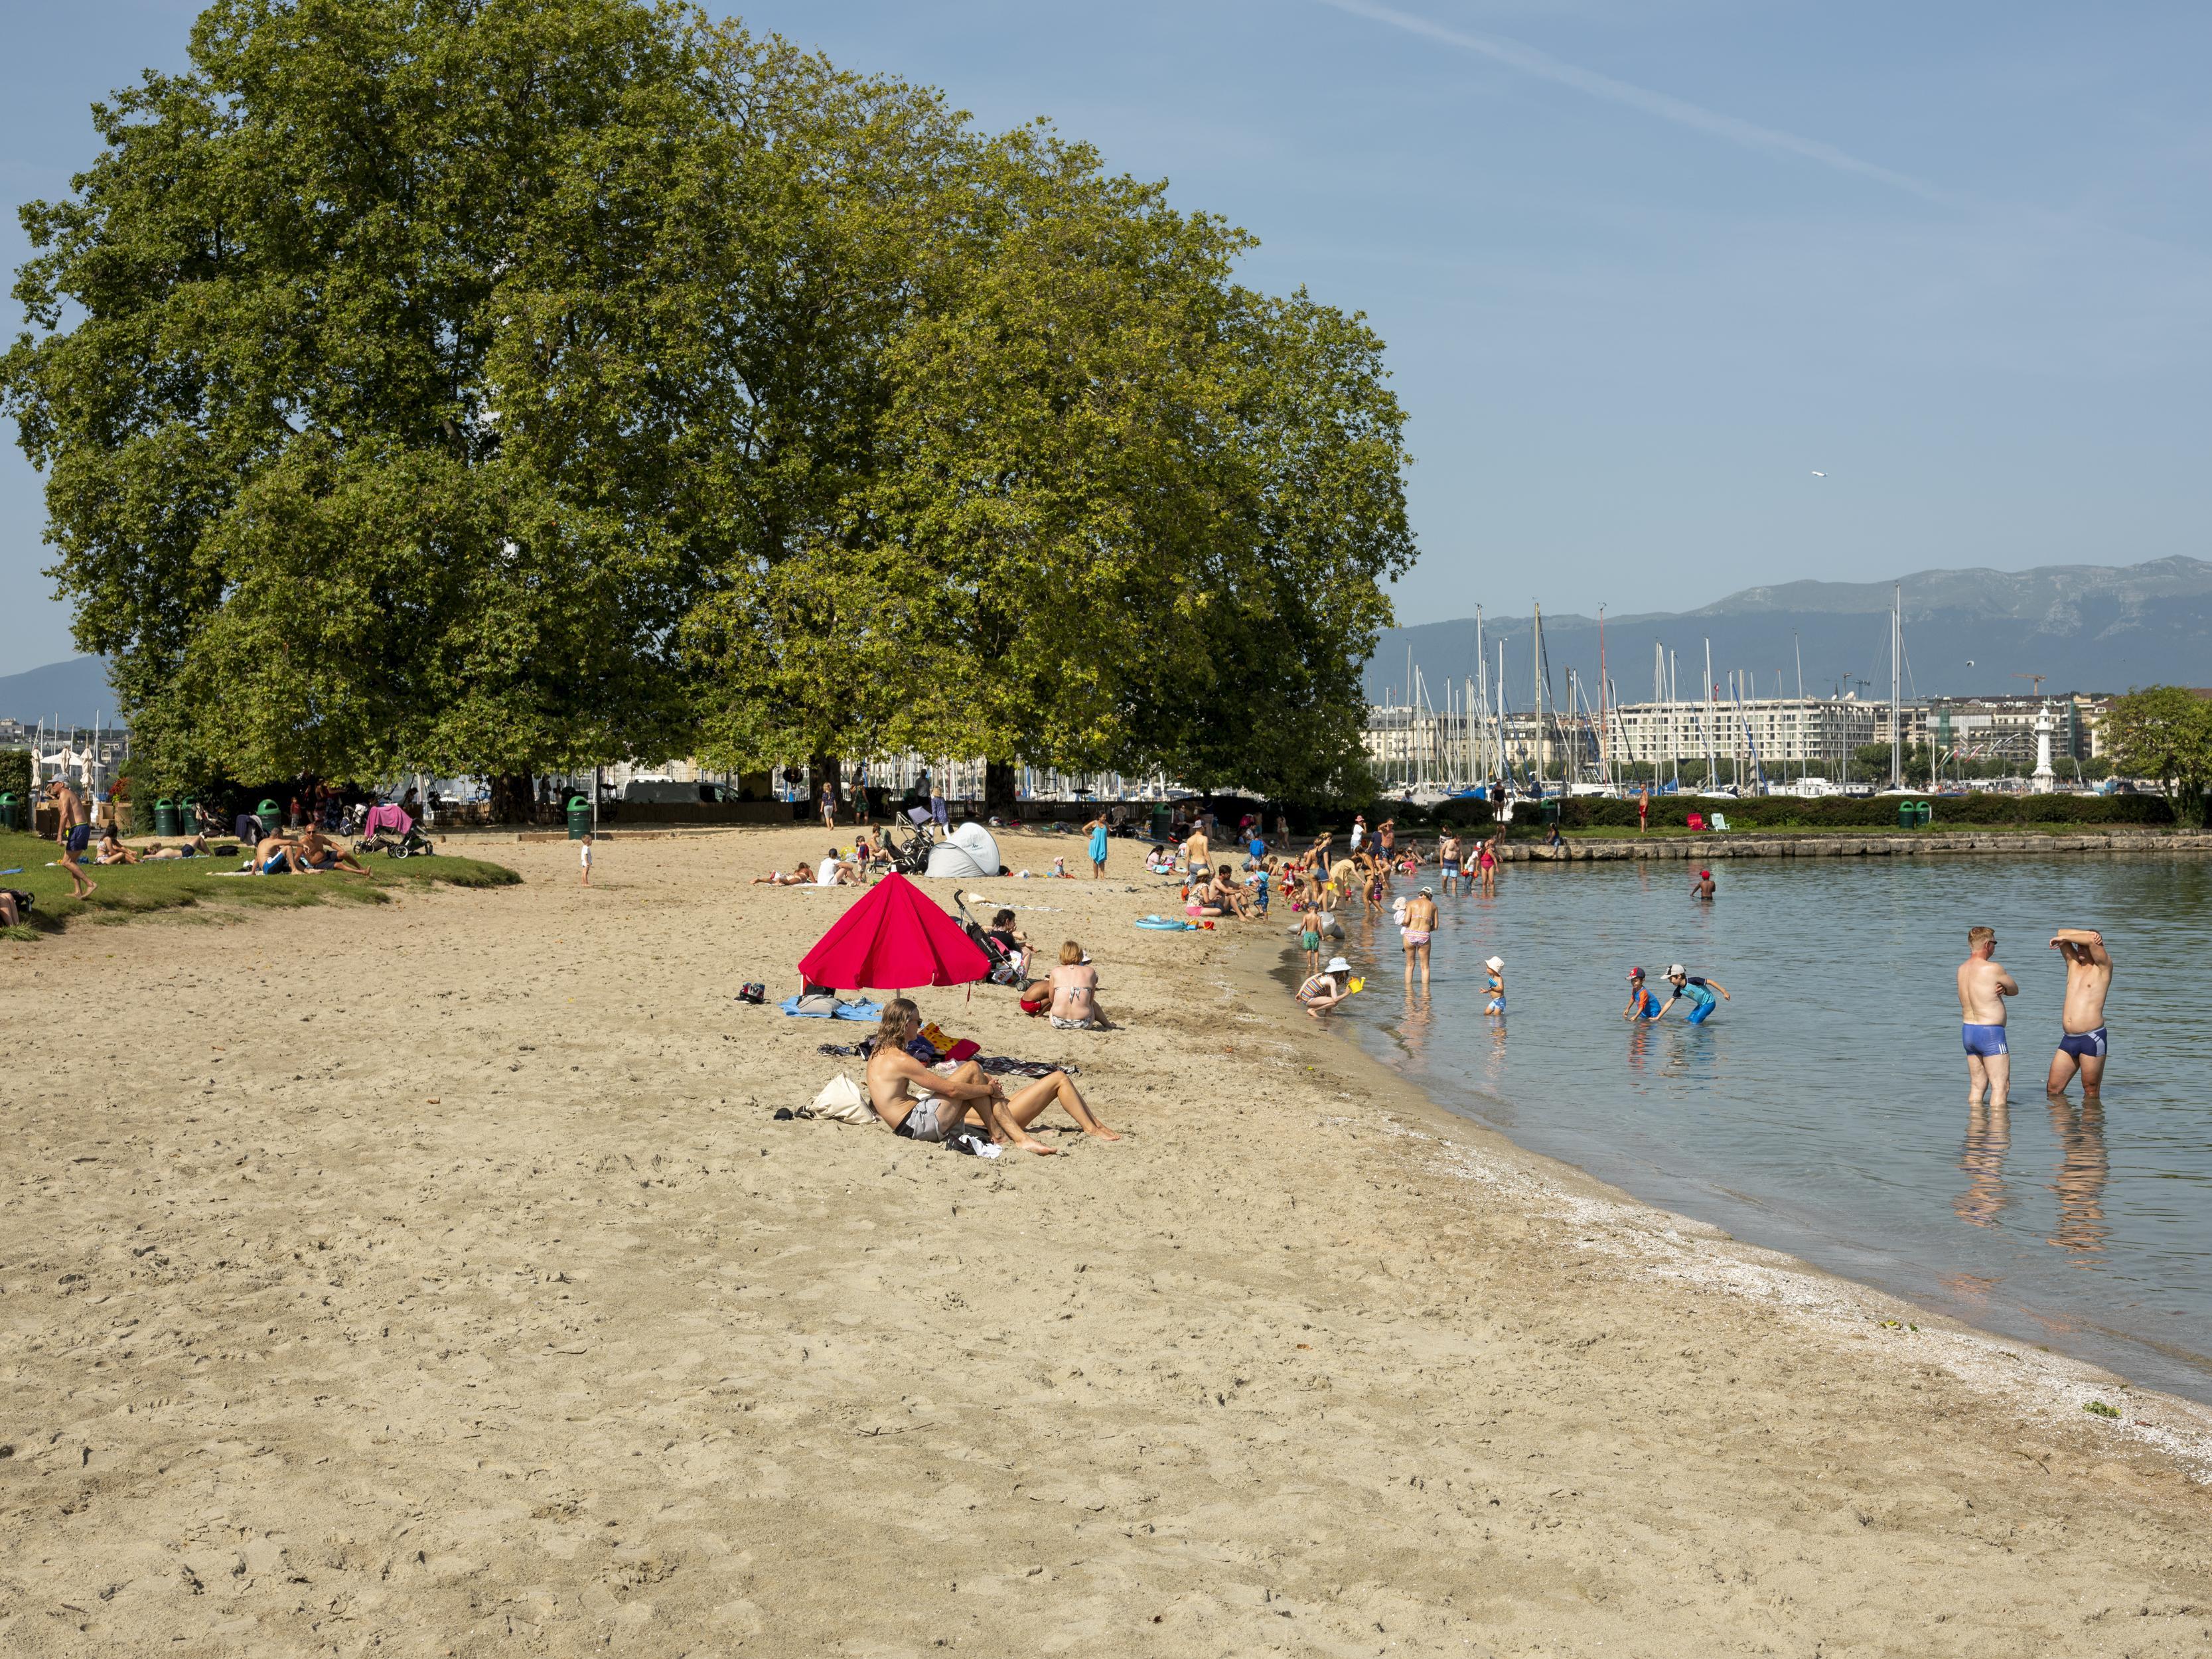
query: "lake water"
1822, 1110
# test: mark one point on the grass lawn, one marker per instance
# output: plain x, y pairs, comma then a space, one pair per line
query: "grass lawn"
127, 891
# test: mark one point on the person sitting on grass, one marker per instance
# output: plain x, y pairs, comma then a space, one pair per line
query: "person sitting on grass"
112, 849
317, 851
11, 907
1327, 988
802, 875
918, 1103
1075, 991
273, 855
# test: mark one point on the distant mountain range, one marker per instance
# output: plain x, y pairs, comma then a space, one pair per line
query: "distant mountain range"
2084, 628
75, 691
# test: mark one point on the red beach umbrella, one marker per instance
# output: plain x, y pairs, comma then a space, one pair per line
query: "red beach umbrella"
894, 939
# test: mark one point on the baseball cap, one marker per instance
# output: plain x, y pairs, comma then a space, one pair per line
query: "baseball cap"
1636, 973
1676, 968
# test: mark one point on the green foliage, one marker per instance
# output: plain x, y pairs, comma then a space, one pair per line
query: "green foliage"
507, 385
2164, 732
15, 772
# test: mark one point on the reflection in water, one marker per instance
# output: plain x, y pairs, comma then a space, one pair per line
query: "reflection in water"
2080, 1183
1988, 1135
1639, 1043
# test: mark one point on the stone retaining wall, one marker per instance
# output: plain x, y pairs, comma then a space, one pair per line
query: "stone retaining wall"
1705, 849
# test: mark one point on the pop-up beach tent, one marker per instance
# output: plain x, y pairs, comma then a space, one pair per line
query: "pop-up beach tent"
894, 939
967, 854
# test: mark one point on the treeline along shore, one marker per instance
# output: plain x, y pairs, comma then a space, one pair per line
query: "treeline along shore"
1830, 844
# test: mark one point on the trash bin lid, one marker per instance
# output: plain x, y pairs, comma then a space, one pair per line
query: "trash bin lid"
577, 803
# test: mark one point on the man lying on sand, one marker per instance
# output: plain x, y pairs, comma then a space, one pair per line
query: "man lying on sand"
921, 1104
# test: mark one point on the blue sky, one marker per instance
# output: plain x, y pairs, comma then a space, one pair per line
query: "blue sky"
1644, 268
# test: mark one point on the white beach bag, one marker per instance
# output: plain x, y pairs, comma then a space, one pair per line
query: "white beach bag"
843, 1100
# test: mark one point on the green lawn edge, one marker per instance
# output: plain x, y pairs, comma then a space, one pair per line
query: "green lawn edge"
129, 892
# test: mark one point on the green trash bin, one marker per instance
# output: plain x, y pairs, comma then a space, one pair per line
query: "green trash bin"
1162, 819
165, 818
580, 818
1551, 809
1907, 819
9, 810
1925, 813
188, 816
271, 816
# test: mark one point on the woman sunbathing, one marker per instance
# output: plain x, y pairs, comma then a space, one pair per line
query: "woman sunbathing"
801, 877
112, 851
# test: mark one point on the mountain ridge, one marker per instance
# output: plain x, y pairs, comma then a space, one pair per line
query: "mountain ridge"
1968, 632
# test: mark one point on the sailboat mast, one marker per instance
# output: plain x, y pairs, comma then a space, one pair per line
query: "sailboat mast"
1604, 749
1537, 674
1897, 689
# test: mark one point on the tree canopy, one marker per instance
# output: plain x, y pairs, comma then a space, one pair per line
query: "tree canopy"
2164, 732
500, 386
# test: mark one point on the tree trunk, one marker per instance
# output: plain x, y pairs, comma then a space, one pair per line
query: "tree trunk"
512, 799
998, 787
821, 769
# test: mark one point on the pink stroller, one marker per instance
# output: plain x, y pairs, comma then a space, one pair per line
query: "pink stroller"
389, 830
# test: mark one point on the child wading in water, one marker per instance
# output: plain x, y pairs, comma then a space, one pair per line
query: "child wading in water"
1309, 942
1497, 967
584, 856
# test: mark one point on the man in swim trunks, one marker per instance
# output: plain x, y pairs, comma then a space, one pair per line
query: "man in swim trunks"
918, 1103
318, 852
1419, 923
1702, 888
1696, 990
1982, 986
73, 832
1643, 1002
2081, 1042
1448, 858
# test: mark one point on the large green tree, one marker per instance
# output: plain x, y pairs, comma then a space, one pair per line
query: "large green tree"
2163, 732
494, 386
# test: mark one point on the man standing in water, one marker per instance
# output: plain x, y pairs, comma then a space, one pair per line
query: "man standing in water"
1982, 986
1702, 888
2081, 1041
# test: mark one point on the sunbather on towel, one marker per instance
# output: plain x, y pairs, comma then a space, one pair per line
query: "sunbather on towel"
112, 851
923, 1104
317, 851
274, 855
801, 875
196, 847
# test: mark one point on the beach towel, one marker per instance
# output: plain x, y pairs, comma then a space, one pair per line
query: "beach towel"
844, 1011
1165, 925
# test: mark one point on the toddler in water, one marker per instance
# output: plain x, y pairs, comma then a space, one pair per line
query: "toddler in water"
1497, 1004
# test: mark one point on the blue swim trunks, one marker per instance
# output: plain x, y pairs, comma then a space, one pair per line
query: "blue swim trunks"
2083, 1045
1986, 1041
1702, 1012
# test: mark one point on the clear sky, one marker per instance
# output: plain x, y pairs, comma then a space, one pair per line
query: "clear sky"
1644, 266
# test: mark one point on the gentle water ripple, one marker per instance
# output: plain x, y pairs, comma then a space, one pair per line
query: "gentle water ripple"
1823, 1109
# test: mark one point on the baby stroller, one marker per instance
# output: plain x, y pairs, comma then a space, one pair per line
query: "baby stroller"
1005, 966
909, 845
389, 830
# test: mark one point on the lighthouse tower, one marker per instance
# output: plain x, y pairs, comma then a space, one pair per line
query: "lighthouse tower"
2043, 781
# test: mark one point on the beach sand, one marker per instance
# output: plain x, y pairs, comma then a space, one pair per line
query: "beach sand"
433, 1279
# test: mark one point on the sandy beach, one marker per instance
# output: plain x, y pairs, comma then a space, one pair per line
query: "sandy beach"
434, 1279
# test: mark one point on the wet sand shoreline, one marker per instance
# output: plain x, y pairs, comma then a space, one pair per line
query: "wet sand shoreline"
359, 1319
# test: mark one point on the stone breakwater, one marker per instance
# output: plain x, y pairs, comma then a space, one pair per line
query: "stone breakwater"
1703, 848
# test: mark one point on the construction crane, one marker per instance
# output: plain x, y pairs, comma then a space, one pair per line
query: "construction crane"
2037, 678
